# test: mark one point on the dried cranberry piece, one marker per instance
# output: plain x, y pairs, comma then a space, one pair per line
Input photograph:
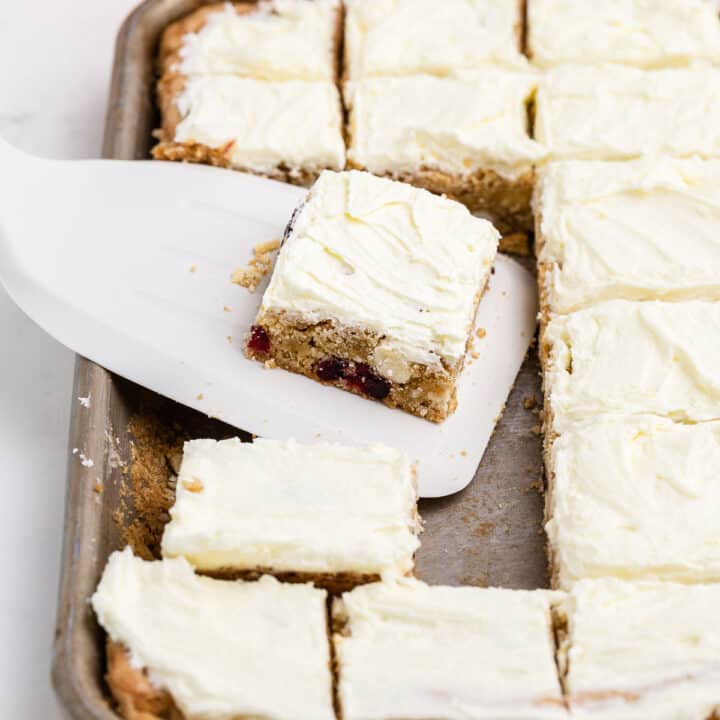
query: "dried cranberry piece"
357, 375
259, 341
331, 369
371, 383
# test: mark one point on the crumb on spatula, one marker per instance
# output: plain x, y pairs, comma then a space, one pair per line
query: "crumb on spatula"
251, 275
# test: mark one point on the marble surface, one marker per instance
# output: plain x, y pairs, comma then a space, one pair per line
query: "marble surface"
56, 59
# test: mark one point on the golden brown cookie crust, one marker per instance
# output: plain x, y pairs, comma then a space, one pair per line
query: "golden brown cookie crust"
507, 202
299, 346
137, 698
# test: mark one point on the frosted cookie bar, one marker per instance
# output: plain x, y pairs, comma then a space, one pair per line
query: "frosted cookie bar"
375, 291
288, 130
190, 647
337, 516
643, 33
465, 135
265, 40
635, 651
640, 230
613, 112
625, 357
412, 37
409, 650
634, 497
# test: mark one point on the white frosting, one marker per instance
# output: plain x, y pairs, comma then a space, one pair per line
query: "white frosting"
412, 650
289, 507
618, 356
461, 123
635, 498
656, 643
222, 649
281, 40
407, 37
264, 124
372, 253
645, 33
642, 230
613, 112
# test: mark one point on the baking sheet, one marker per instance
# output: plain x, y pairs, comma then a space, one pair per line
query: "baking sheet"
488, 534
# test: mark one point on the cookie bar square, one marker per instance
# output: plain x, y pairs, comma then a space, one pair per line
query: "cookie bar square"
632, 358
265, 40
288, 130
634, 651
404, 649
665, 33
375, 291
197, 647
636, 498
413, 37
336, 516
464, 135
640, 230
614, 112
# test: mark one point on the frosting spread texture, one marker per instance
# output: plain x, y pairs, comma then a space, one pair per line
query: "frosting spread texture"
613, 112
624, 357
291, 507
280, 40
260, 125
411, 650
635, 498
406, 37
642, 650
458, 124
213, 645
642, 230
645, 33
372, 253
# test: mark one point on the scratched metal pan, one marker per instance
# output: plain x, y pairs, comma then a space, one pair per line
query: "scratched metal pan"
488, 534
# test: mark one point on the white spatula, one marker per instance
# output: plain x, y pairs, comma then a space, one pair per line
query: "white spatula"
128, 264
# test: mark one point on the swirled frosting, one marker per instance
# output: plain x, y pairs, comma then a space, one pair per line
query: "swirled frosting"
340, 509
641, 230
625, 357
644, 33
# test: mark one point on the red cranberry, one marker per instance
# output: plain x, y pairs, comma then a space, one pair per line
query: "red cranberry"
370, 383
358, 376
331, 369
259, 341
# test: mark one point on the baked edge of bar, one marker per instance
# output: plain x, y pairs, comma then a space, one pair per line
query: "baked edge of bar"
506, 202
544, 353
135, 696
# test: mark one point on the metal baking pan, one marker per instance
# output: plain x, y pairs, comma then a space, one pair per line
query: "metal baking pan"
488, 534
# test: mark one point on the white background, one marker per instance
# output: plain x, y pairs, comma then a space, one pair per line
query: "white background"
55, 57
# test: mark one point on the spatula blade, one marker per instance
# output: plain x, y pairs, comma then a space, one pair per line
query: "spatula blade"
128, 264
